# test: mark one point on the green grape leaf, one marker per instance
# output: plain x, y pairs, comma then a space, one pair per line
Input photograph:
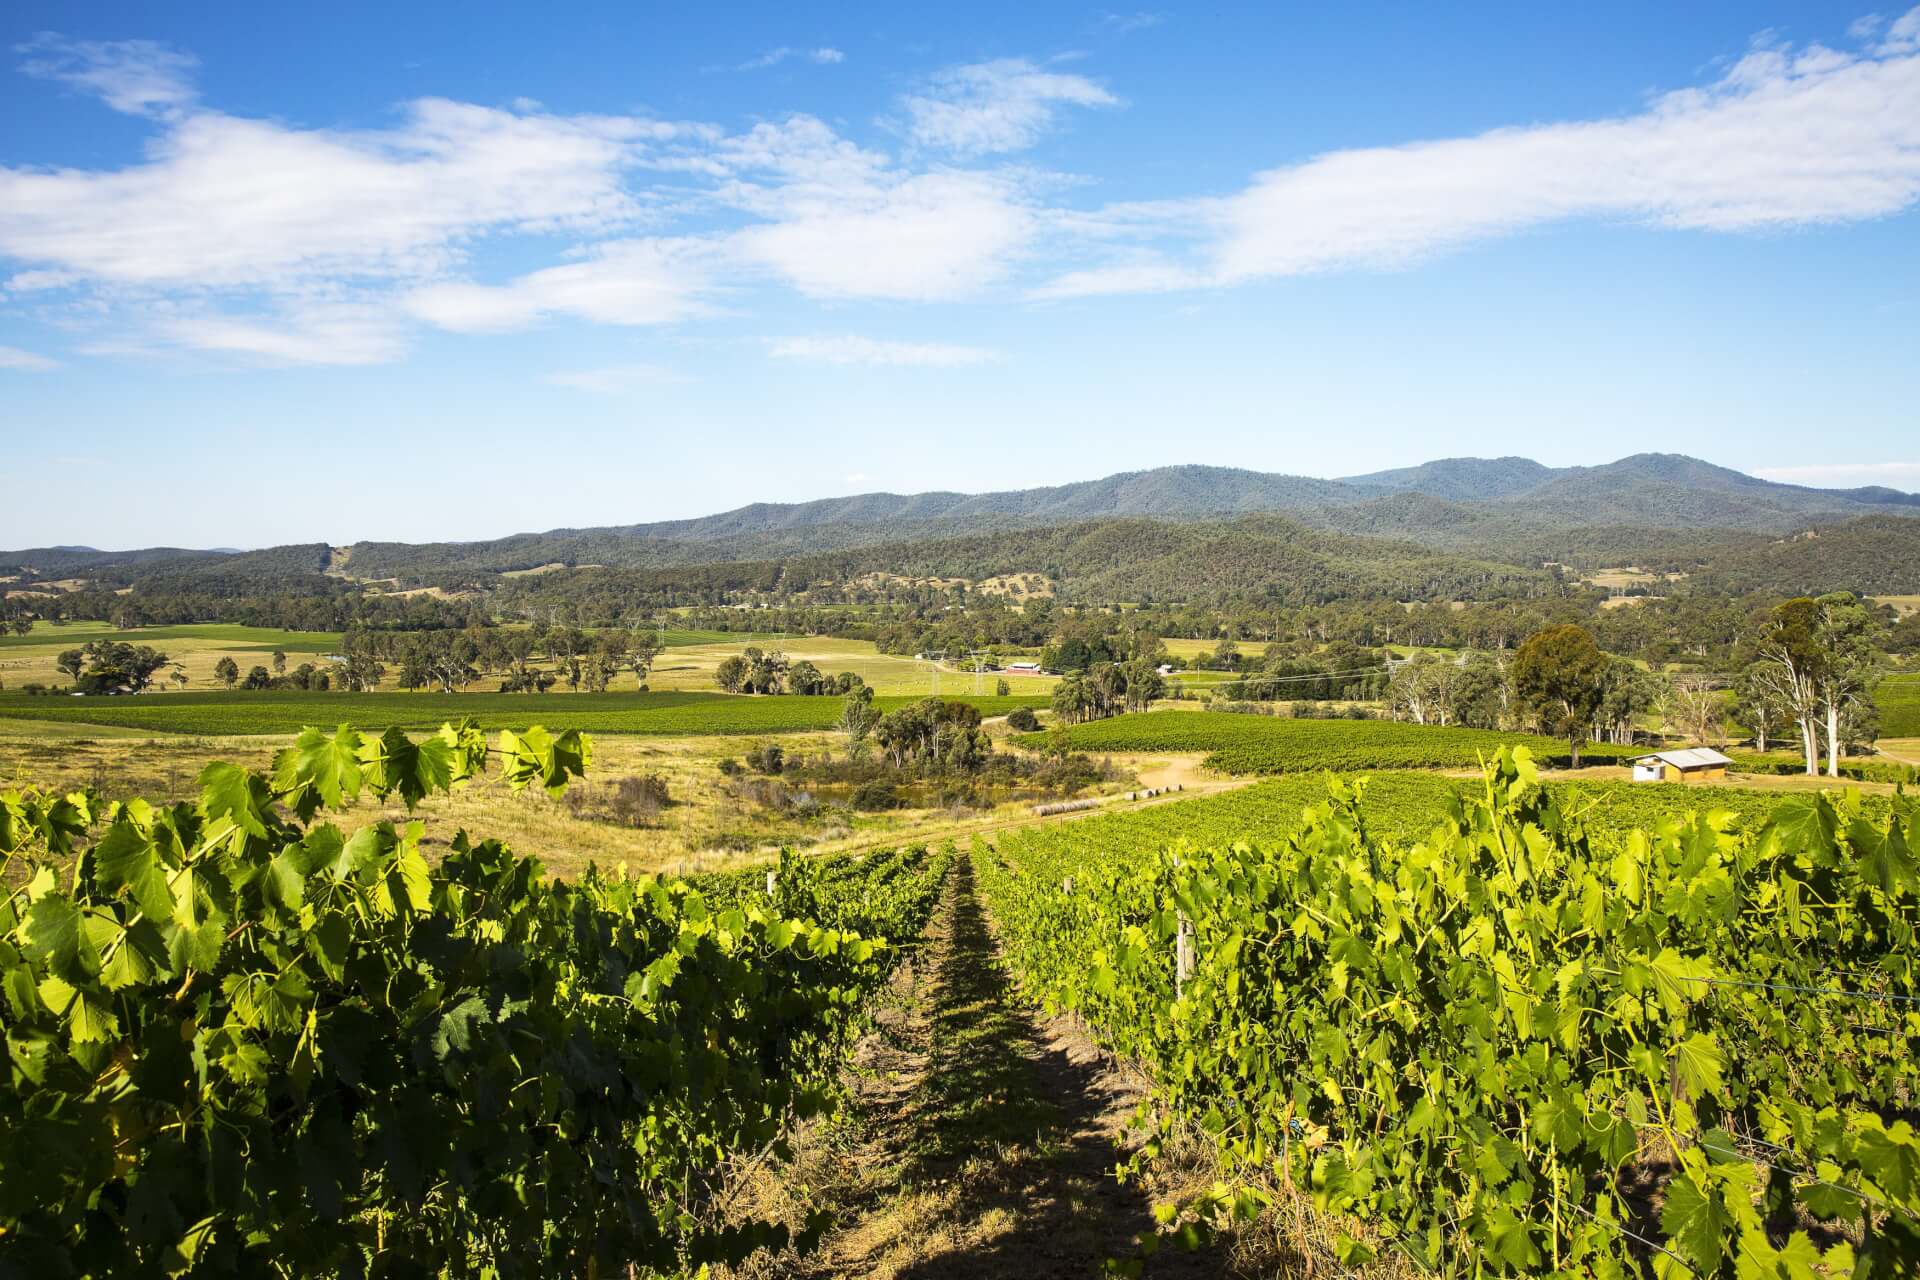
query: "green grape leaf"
129, 859
1679, 980
1700, 1064
319, 770
1885, 860
228, 791
54, 937
394, 762
1695, 1222
546, 758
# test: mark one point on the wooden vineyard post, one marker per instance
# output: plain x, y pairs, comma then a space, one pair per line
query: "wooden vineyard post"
1182, 948
773, 882
1182, 955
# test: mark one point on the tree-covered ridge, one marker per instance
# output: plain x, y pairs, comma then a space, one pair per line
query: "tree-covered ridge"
1508, 509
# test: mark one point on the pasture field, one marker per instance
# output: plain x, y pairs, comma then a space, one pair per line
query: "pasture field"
232, 636
197, 647
1191, 649
1252, 744
288, 711
1898, 698
681, 639
692, 667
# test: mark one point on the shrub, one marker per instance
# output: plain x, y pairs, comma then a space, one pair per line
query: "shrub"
875, 797
630, 802
768, 759
1023, 719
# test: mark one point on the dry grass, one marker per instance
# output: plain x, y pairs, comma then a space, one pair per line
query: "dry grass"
35, 662
707, 826
692, 667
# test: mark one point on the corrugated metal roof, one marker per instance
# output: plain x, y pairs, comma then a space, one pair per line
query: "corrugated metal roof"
1690, 758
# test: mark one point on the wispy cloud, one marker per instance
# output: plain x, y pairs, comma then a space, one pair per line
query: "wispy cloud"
851, 349
1126, 23
823, 56
615, 379
1847, 475
1786, 137
138, 77
323, 334
25, 361
1005, 105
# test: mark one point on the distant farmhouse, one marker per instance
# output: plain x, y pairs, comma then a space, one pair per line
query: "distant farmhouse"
1681, 766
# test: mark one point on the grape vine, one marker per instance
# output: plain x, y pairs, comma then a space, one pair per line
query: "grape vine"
243, 1042
1484, 1047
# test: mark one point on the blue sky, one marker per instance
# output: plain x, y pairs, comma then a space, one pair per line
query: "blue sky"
270, 275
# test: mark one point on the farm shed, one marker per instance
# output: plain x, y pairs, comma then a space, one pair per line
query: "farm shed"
1680, 766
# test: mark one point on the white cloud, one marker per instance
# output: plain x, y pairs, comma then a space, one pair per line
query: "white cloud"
1847, 475
1783, 139
921, 238
138, 77
323, 334
625, 282
774, 57
851, 349
258, 238
228, 202
1127, 23
25, 361
1005, 105
615, 379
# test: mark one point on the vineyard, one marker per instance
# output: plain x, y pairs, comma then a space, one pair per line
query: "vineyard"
1492, 1026
1507, 1043
244, 1042
1398, 808
1899, 700
1248, 744
283, 712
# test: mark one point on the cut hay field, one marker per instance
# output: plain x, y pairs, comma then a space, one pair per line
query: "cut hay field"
1249, 744
1191, 649
197, 647
232, 636
692, 667
282, 712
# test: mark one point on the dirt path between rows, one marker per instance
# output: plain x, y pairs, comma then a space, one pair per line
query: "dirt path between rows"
981, 1138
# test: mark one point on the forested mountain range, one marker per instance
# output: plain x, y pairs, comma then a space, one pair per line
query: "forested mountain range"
1452, 527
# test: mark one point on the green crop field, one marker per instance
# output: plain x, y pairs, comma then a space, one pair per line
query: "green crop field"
223, 635
277, 711
686, 639
1272, 744
1899, 701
